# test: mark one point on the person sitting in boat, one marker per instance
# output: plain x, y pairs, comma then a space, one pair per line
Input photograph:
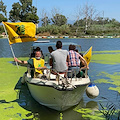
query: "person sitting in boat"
74, 64
34, 50
59, 59
37, 63
50, 49
82, 68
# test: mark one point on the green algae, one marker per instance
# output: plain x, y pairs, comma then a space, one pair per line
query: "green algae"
9, 77
111, 59
110, 51
61, 116
102, 57
90, 114
113, 79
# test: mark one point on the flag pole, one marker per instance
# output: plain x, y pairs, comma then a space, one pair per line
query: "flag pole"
10, 46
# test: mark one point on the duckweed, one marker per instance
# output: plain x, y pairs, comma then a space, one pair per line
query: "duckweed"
10, 74
102, 57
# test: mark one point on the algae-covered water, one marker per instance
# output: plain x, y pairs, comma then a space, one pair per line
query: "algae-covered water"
16, 103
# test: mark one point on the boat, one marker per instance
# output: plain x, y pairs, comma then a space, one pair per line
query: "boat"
56, 92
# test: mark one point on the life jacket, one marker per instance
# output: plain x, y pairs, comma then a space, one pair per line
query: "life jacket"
37, 64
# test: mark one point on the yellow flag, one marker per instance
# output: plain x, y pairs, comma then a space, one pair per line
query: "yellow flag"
20, 32
87, 55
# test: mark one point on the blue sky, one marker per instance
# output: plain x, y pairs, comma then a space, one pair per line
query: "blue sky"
70, 7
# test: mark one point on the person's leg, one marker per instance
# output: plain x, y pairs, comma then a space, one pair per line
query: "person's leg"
37, 75
23, 78
74, 71
69, 74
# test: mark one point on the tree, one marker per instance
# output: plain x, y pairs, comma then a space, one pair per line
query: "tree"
59, 20
24, 12
78, 22
87, 12
3, 8
14, 13
99, 20
3, 17
45, 20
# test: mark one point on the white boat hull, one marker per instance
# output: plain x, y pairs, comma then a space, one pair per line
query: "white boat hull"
55, 98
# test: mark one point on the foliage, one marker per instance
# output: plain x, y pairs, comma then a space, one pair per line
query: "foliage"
109, 28
3, 8
1, 29
3, 17
14, 13
24, 12
59, 20
80, 22
45, 21
64, 29
54, 29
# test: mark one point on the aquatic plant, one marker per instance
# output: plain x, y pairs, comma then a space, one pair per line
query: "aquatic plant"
113, 79
9, 76
109, 110
88, 113
105, 58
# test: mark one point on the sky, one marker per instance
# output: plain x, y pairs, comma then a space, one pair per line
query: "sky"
69, 8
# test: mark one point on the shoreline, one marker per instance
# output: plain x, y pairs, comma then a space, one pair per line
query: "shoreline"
70, 37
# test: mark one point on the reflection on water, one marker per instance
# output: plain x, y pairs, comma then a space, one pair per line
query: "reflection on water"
92, 105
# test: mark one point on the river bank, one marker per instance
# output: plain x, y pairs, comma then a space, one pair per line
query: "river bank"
65, 37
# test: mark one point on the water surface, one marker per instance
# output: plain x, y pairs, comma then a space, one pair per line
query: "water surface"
104, 66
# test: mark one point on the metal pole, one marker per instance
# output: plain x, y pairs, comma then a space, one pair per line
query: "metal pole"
10, 46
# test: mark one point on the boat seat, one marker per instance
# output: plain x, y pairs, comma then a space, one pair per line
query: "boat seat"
52, 76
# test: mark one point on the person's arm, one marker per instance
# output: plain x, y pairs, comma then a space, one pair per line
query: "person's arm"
85, 63
41, 68
51, 62
67, 60
20, 61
